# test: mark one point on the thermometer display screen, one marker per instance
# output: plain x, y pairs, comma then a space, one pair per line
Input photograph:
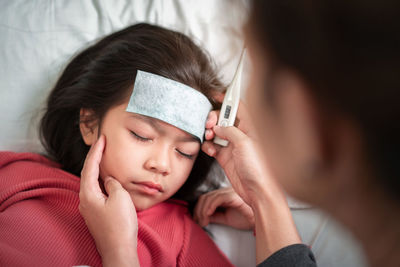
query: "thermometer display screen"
227, 111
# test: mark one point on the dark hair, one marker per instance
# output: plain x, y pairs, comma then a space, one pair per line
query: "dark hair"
348, 52
101, 77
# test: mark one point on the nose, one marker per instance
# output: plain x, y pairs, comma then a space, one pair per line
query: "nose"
159, 161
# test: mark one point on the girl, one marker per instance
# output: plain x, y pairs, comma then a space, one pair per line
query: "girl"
156, 159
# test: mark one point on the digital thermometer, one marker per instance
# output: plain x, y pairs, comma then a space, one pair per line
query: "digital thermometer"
230, 105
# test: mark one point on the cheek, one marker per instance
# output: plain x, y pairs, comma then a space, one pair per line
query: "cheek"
120, 158
260, 113
271, 135
182, 171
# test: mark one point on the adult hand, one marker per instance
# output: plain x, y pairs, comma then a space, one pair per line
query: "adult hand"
241, 160
224, 206
111, 219
251, 179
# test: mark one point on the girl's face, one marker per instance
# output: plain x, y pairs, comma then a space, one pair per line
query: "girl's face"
150, 158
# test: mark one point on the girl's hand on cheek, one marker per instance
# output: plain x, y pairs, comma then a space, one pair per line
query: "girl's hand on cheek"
111, 219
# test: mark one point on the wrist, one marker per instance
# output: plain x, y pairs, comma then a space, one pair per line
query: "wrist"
274, 225
268, 195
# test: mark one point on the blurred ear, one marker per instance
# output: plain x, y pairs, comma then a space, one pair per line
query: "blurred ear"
88, 126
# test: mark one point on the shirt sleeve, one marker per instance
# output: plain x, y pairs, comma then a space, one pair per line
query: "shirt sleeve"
198, 249
298, 255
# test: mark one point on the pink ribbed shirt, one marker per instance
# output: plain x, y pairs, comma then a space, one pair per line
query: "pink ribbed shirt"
40, 224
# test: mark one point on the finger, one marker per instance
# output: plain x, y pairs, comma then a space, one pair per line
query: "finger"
90, 171
112, 186
118, 196
209, 134
201, 207
222, 154
198, 208
205, 207
212, 119
221, 199
210, 148
215, 199
232, 134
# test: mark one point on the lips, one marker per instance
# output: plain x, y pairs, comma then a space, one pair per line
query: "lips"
149, 188
152, 185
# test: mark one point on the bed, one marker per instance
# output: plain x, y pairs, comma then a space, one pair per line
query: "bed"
38, 37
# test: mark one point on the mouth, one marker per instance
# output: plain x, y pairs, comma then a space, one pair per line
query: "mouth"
148, 188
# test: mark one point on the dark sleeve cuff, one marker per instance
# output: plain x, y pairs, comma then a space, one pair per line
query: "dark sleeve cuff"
298, 255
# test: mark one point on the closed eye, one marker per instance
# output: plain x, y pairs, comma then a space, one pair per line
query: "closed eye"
140, 138
185, 155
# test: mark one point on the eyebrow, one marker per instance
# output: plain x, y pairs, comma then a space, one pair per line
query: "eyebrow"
156, 126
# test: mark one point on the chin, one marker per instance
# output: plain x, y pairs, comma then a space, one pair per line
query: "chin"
143, 203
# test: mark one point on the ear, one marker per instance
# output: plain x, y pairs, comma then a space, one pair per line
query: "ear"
88, 127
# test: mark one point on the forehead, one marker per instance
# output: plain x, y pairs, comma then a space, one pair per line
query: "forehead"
170, 101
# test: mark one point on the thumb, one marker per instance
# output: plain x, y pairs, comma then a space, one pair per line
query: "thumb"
112, 185
231, 133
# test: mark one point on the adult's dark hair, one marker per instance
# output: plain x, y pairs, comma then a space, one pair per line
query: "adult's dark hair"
348, 53
102, 76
